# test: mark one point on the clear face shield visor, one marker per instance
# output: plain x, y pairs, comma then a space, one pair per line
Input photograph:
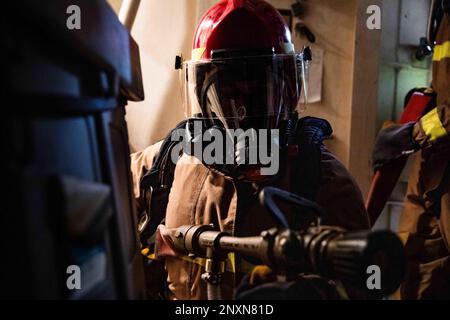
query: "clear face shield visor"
245, 92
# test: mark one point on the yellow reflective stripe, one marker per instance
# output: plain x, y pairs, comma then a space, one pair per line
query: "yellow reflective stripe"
230, 265
442, 51
199, 261
149, 255
197, 54
432, 125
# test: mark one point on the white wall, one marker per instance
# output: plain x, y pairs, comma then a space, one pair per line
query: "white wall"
163, 29
333, 23
351, 64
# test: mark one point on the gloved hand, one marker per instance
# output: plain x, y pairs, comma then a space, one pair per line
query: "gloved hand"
393, 142
261, 284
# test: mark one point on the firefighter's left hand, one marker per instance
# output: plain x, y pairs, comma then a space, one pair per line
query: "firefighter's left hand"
393, 142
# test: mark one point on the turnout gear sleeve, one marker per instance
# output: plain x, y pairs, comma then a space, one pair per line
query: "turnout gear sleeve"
397, 141
433, 127
425, 221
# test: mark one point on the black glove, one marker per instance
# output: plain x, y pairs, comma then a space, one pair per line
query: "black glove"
394, 142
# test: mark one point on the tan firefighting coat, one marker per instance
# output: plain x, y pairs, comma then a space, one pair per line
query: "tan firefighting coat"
200, 196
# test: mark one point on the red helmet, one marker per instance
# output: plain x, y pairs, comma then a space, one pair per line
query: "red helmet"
241, 24
244, 72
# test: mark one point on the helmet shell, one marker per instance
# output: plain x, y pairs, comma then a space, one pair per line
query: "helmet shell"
241, 25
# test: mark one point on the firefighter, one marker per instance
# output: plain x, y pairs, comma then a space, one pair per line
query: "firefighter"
244, 74
425, 221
